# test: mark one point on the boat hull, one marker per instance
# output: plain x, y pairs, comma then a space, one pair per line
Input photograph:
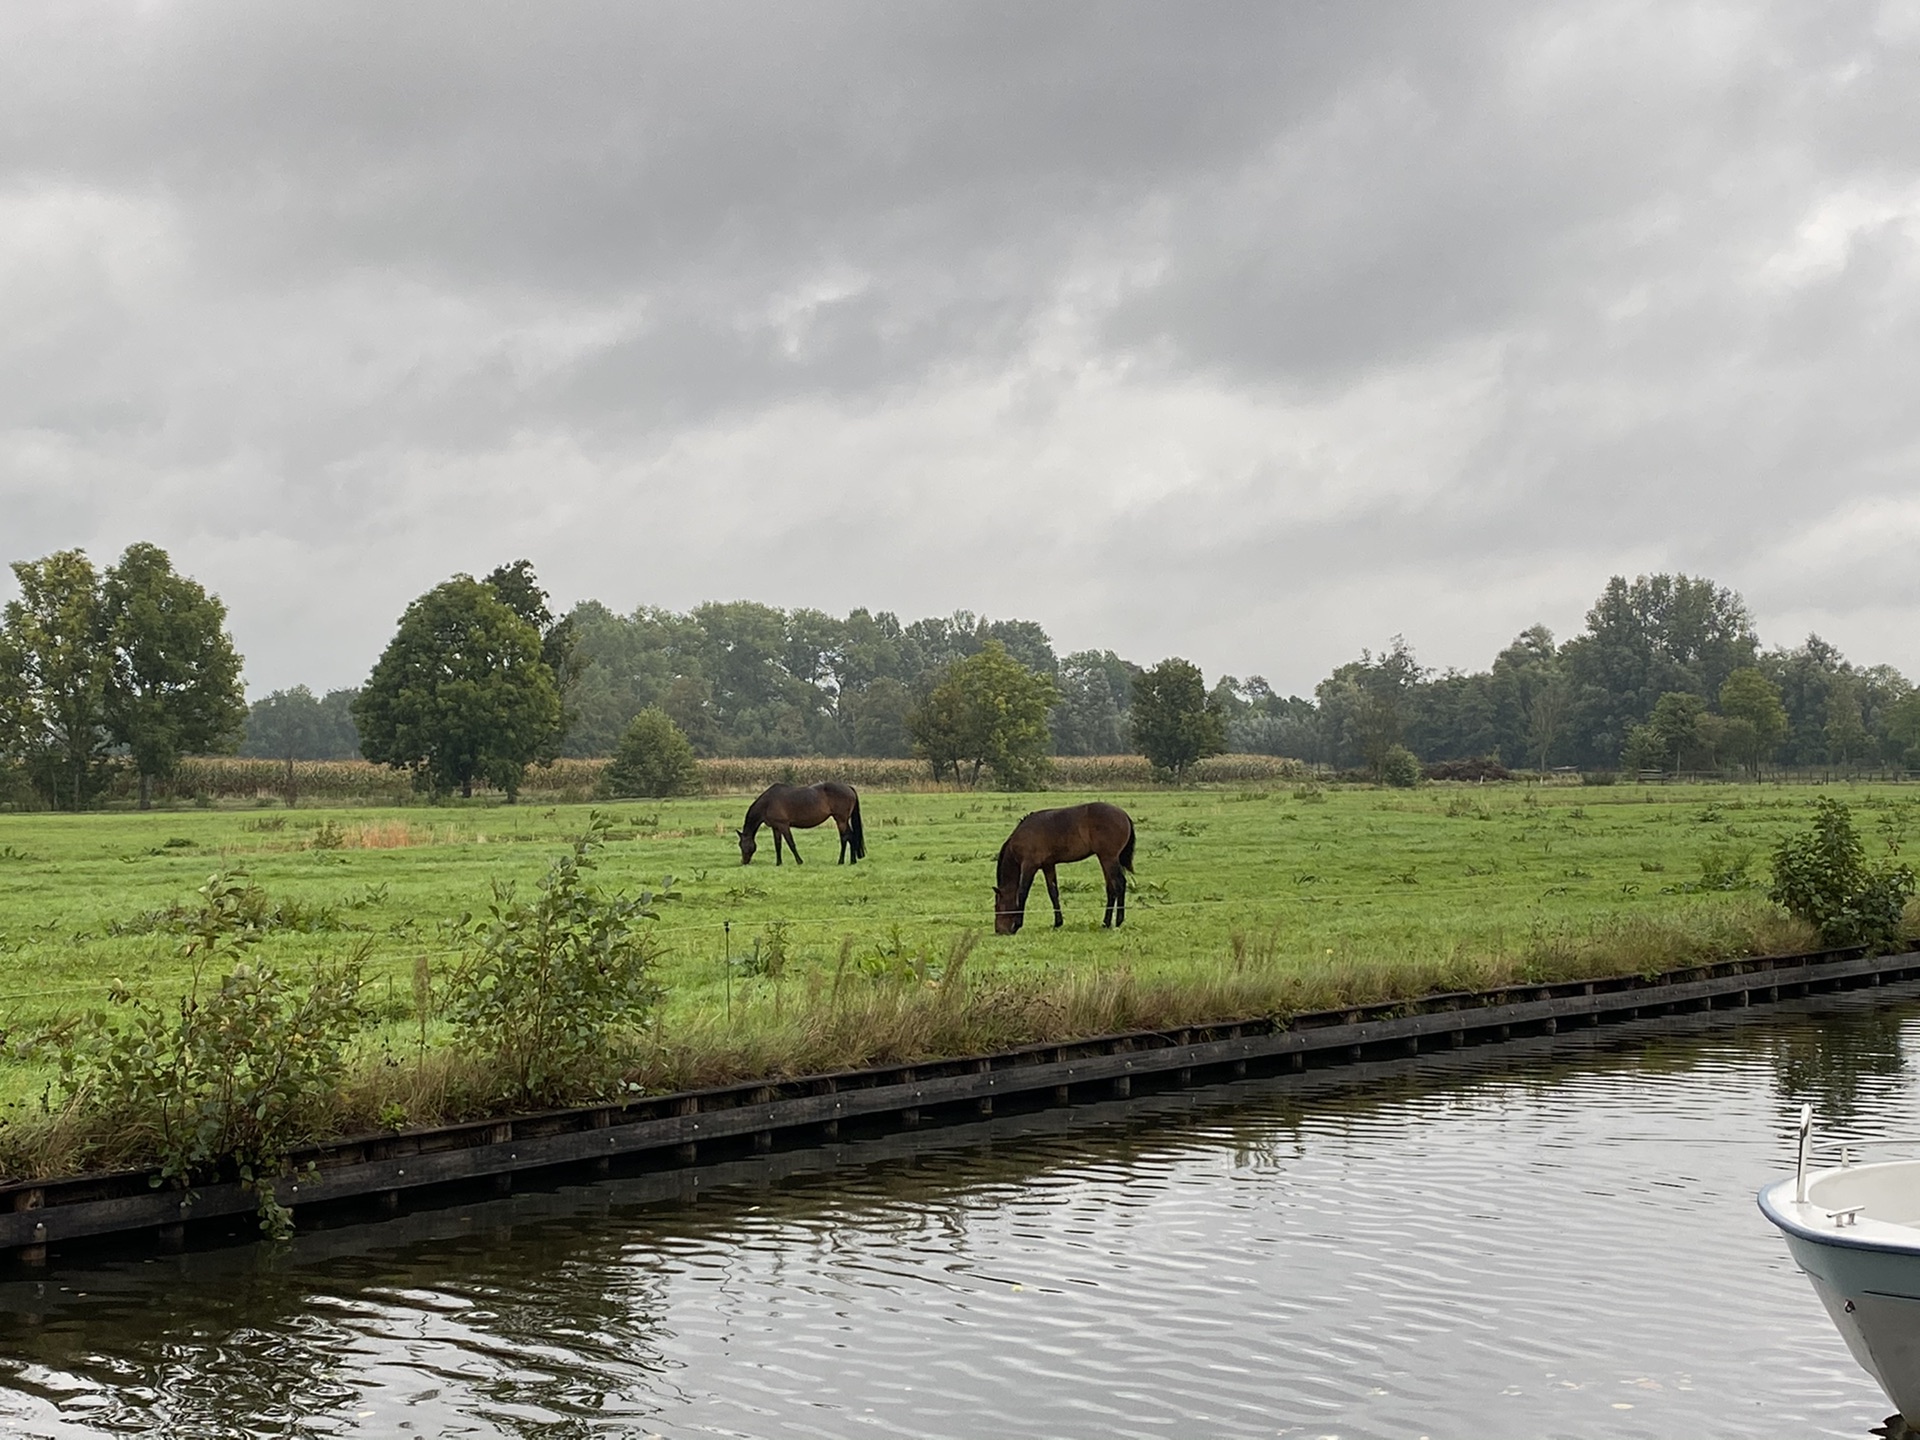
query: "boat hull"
1865, 1271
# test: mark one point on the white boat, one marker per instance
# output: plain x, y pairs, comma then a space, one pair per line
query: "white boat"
1855, 1232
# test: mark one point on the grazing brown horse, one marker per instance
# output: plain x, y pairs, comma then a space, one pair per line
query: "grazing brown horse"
1047, 838
785, 806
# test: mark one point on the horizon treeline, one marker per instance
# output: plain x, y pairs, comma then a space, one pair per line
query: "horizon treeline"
745, 679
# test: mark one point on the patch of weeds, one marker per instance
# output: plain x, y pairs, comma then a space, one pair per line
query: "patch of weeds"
1189, 828
370, 895
1148, 893
327, 836
767, 956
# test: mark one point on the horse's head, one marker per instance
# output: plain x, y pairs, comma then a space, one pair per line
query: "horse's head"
747, 847
1006, 909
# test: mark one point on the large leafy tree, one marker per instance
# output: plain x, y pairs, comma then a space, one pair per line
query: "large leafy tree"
987, 711
173, 683
1651, 637
1172, 722
53, 653
461, 693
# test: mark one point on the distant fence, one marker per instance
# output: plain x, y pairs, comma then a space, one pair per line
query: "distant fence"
1776, 775
230, 778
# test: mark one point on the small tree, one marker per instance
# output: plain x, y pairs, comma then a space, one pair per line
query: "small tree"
1756, 720
987, 711
1173, 724
653, 758
460, 694
1674, 727
174, 684
1822, 877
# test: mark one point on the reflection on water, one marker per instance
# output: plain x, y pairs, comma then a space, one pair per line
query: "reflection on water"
1833, 1068
1520, 1242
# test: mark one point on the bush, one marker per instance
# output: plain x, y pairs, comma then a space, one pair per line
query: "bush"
653, 759
227, 1076
555, 989
1400, 768
1822, 877
1484, 767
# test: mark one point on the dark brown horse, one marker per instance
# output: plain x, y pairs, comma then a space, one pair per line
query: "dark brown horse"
785, 806
1047, 838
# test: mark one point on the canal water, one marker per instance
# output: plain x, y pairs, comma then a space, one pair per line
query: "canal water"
1548, 1239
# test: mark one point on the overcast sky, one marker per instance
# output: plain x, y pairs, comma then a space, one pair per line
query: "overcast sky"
1253, 333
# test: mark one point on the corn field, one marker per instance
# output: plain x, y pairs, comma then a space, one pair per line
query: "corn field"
229, 778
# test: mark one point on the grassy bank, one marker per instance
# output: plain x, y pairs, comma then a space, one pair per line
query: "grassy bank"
1248, 899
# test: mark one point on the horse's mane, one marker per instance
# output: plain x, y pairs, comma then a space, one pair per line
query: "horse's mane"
1006, 867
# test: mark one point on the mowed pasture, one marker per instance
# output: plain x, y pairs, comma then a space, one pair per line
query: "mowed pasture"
1243, 901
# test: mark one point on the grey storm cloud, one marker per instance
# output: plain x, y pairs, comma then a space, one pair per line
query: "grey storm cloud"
1254, 333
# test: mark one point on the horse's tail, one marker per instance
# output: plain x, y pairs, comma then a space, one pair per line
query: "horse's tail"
859, 834
1126, 850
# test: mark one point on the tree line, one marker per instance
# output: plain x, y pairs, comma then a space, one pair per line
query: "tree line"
133, 665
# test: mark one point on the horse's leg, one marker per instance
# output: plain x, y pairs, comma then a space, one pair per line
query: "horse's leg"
791, 847
1026, 888
778, 830
1116, 892
1053, 890
844, 841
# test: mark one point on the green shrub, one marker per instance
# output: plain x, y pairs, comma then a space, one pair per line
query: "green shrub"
230, 1074
555, 990
653, 758
1822, 877
1400, 768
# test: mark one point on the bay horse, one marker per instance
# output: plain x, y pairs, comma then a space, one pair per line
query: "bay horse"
782, 807
1047, 838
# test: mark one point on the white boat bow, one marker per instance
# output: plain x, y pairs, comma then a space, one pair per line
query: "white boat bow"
1855, 1231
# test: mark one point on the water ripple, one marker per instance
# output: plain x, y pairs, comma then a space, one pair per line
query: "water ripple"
1493, 1243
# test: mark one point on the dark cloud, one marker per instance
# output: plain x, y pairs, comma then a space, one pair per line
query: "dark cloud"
1251, 332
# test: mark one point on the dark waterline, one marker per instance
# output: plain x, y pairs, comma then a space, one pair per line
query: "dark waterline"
1514, 1241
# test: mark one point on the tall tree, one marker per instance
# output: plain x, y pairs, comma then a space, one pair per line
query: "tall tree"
1088, 720
1364, 704
173, 684
460, 694
54, 645
987, 711
1644, 639
1756, 720
1172, 722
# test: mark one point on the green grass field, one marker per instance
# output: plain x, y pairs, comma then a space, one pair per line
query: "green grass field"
1244, 901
